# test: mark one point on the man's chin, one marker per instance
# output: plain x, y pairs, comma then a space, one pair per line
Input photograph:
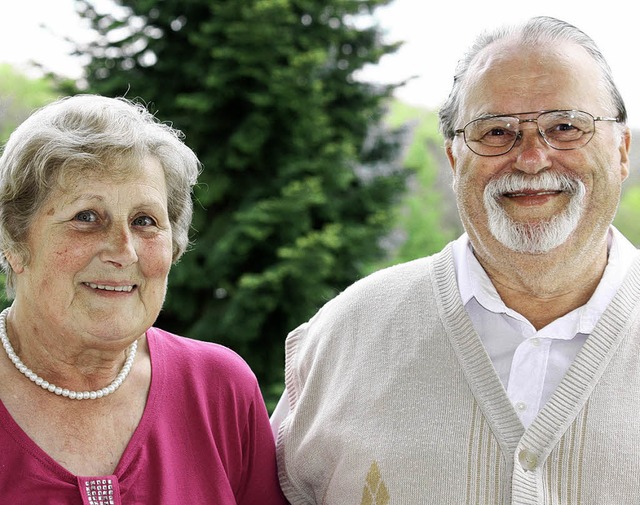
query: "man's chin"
538, 237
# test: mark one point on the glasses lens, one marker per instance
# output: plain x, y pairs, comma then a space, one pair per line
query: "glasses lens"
567, 129
491, 136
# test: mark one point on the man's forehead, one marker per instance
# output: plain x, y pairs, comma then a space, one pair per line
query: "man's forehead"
510, 76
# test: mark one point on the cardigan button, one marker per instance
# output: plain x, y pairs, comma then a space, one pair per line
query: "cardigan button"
528, 460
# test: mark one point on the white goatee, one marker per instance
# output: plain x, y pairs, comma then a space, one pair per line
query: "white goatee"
541, 236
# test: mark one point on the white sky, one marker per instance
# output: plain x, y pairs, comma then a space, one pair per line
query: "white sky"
433, 41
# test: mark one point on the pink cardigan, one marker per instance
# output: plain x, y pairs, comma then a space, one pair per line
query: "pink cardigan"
204, 438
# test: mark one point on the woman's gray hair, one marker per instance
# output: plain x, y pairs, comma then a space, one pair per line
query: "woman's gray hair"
542, 29
87, 133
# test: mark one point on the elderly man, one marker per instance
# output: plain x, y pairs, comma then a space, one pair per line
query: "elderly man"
504, 369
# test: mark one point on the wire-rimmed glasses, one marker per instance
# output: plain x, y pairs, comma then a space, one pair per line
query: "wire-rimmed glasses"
564, 130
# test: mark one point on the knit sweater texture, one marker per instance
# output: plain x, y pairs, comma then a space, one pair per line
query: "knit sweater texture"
204, 438
394, 400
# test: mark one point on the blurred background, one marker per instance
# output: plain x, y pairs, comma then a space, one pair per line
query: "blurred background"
316, 122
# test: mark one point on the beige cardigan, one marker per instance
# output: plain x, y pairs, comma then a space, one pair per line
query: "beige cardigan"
395, 401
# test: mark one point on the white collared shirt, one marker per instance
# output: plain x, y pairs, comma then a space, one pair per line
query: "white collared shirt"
532, 363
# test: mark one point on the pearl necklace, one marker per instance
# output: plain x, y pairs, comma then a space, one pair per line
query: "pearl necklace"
73, 395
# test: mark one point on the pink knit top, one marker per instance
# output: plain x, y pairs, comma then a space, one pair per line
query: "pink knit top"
204, 438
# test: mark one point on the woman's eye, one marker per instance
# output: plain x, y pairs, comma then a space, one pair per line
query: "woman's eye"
86, 216
143, 221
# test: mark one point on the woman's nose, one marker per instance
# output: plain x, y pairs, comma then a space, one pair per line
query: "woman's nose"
120, 247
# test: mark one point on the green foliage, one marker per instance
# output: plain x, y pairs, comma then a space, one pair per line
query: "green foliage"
627, 218
19, 96
421, 226
299, 177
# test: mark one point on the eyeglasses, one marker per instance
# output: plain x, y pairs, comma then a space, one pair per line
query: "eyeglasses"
560, 129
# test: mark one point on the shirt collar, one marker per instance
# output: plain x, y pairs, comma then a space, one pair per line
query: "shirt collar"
473, 282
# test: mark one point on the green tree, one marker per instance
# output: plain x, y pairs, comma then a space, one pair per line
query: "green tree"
20, 95
426, 217
299, 175
627, 217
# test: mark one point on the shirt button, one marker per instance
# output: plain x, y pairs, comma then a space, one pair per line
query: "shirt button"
521, 406
535, 342
528, 460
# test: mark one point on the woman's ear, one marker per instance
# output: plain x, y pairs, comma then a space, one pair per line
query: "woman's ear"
15, 261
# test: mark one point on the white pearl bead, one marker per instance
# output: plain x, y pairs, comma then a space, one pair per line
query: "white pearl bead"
84, 395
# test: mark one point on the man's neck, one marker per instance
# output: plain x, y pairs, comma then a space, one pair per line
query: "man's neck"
547, 286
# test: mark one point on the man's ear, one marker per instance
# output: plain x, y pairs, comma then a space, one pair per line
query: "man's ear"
625, 145
448, 147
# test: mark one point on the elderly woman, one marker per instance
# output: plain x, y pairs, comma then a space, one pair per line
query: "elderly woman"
96, 405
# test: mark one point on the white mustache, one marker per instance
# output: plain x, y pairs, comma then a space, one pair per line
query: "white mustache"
546, 181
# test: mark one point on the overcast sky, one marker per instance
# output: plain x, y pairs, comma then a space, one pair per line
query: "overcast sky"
433, 42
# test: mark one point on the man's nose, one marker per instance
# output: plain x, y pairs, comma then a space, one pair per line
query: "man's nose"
531, 149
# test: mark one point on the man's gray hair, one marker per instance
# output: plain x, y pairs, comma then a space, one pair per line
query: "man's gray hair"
542, 29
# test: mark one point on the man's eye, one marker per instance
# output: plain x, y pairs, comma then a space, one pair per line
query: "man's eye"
86, 216
564, 127
497, 136
143, 221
